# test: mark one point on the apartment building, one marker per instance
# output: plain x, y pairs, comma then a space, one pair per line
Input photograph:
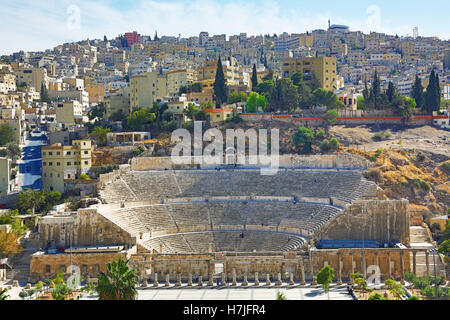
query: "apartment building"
179, 78
147, 88
33, 77
118, 101
69, 113
7, 83
6, 180
61, 163
323, 68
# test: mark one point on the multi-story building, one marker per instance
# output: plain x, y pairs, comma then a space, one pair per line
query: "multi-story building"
118, 101
132, 38
147, 88
323, 68
7, 83
179, 78
69, 113
61, 163
6, 179
33, 77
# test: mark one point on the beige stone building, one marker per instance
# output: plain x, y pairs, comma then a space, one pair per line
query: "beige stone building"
6, 183
178, 78
33, 77
61, 163
147, 88
67, 113
323, 68
118, 101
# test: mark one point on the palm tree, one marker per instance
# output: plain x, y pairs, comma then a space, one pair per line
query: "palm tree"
119, 282
3, 295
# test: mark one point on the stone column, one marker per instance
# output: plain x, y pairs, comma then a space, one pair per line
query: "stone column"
233, 284
291, 280
167, 284
268, 279
245, 282
303, 274
414, 263
224, 279
402, 269
160, 248
178, 284
210, 250
279, 282
189, 280
256, 279
340, 270
155, 280
200, 281
145, 283
210, 280
427, 258
314, 282
390, 267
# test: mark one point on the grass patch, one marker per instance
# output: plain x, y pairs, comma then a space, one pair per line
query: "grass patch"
381, 136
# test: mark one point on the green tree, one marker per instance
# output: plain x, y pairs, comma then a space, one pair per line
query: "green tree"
119, 282
444, 247
256, 101
44, 94
334, 144
395, 288
61, 291
254, 78
3, 295
29, 201
327, 99
432, 97
283, 96
325, 277
264, 88
377, 296
404, 106
97, 112
117, 116
6, 134
332, 116
391, 91
304, 137
360, 103
100, 134
375, 90
297, 78
139, 119
13, 151
281, 296
325, 145
236, 97
417, 93
220, 85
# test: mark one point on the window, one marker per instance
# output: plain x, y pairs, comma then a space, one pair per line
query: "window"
86, 162
58, 164
58, 153
44, 164
68, 153
45, 153
50, 164
69, 163
47, 268
96, 268
86, 152
50, 153
84, 268
62, 268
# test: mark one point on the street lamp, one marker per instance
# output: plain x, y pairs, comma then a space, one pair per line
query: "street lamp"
433, 251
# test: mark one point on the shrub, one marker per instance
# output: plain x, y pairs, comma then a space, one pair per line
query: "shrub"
140, 150
413, 298
377, 296
420, 184
108, 168
320, 134
374, 157
325, 145
446, 167
334, 144
84, 177
374, 174
381, 136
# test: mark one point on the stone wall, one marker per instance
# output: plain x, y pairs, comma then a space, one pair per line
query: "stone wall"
342, 161
80, 188
89, 263
385, 221
304, 265
89, 229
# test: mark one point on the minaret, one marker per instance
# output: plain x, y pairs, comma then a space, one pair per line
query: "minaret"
329, 23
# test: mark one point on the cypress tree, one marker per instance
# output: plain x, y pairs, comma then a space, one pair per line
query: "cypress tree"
375, 89
220, 86
431, 94
391, 91
254, 78
438, 92
417, 93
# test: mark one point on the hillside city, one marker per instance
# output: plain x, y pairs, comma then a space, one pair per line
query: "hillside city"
87, 186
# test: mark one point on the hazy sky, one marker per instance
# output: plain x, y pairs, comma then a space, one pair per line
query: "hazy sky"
37, 25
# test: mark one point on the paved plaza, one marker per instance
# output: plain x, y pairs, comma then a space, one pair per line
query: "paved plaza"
246, 294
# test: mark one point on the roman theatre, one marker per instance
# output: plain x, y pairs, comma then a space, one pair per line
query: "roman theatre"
182, 222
